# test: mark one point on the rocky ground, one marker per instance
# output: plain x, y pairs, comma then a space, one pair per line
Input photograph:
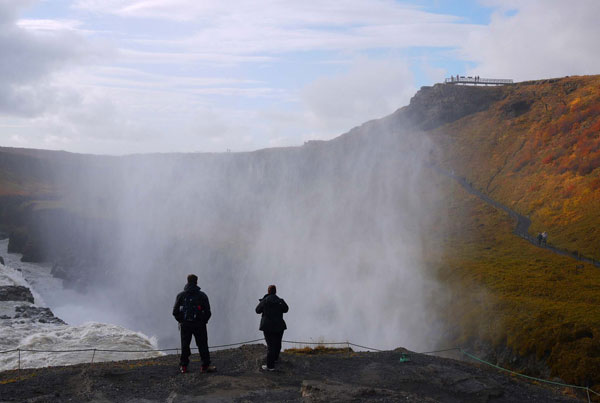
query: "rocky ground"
342, 376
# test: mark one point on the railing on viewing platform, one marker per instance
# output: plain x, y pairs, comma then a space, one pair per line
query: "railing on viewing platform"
477, 80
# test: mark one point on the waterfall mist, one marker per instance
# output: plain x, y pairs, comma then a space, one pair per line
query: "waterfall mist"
338, 226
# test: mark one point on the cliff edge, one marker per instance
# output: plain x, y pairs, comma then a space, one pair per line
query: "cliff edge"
339, 376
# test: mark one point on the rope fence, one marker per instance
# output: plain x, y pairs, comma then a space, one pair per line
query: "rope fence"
100, 350
347, 343
533, 378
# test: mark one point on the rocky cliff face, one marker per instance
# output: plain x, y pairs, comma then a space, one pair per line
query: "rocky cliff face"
442, 103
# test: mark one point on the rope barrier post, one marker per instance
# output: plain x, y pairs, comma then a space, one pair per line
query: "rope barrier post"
93, 355
593, 391
587, 390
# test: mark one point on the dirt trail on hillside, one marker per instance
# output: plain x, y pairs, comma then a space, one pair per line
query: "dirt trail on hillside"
344, 376
523, 223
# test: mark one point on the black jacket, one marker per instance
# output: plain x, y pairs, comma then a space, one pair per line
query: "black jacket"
272, 308
194, 290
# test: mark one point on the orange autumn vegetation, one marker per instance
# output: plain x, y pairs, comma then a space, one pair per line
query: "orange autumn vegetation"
543, 162
505, 294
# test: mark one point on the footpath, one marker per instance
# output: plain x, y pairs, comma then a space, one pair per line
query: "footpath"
523, 223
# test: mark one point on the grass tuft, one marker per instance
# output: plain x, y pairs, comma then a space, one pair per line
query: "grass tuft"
318, 350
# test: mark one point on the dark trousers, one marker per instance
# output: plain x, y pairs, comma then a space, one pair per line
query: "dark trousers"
198, 330
273, 340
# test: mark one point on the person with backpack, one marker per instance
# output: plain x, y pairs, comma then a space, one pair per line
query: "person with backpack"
192, 311
272, 324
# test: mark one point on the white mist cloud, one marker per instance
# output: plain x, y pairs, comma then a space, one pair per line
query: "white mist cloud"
537, 39
337, 226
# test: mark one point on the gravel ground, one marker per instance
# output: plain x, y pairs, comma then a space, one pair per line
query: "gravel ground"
344, 376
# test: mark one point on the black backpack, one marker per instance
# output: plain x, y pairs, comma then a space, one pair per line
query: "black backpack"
192, 308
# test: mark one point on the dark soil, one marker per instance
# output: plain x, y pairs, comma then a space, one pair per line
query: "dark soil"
343, 376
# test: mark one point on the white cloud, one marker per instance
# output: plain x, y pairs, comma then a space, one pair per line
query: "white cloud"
136, 79
268, 12
125, 116
30, 58
185, 75
537, 39
187, 56
49, 25
370, 89
235, 28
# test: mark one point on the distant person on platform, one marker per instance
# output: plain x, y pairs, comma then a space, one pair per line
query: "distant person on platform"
192, 311
272, 324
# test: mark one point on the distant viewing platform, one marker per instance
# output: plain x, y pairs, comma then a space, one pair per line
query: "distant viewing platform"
476, 80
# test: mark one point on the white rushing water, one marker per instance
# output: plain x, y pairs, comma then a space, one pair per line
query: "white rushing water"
37, 331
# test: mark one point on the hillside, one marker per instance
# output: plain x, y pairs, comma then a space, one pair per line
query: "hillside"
534, 150
521, 306
538, 151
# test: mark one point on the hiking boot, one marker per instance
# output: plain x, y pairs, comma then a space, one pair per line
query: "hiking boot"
208, 368
183, 369
265, 368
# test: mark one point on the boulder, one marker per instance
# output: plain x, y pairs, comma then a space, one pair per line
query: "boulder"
15, 293
42, 315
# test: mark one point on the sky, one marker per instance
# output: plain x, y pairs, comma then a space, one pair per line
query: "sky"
138, 76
